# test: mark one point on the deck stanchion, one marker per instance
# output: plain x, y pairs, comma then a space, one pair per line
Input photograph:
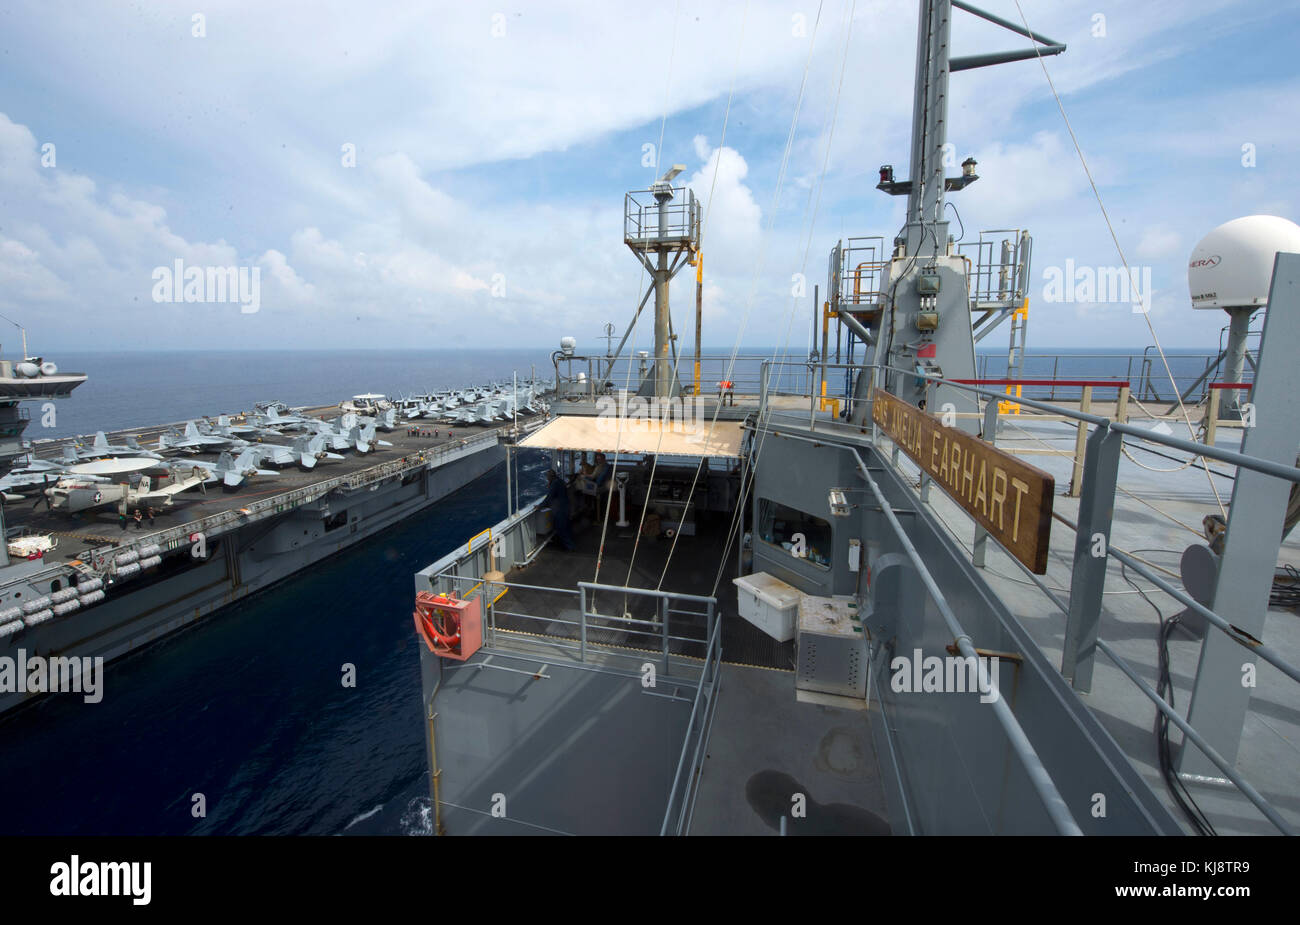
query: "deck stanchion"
1212, 417
1080, 441
1091, 551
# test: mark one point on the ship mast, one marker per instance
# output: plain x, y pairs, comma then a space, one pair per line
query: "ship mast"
923, 318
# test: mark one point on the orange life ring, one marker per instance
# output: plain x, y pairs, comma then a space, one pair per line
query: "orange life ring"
449, 641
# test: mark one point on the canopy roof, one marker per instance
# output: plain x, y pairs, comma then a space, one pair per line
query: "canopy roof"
610, 434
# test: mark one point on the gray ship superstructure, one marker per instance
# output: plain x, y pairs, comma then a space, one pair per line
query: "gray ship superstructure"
881, 595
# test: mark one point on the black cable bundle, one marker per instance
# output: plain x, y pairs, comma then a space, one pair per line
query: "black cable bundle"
1286, 589
1165, 689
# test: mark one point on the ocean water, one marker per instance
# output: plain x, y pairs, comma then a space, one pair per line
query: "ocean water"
247, 707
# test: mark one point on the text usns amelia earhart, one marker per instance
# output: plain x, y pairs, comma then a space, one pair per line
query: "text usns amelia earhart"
1009, 498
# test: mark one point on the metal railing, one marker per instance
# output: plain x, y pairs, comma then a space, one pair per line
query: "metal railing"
998, 268
641, 217
607, 375
1147, 374
856, 269
1088, 575
1052, 801
653, 637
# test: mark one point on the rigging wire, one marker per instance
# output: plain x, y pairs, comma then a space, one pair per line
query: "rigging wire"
734, 532
1119, 249
654, 465
730, 368
1119, 488
738, 514
645, 270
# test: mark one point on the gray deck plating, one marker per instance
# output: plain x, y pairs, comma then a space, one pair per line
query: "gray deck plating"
767, 744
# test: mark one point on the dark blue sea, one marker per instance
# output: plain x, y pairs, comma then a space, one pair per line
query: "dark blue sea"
247, 707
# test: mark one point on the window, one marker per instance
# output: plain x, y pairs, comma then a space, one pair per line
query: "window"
802, 535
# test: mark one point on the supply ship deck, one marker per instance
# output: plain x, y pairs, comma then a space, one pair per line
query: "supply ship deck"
849, 599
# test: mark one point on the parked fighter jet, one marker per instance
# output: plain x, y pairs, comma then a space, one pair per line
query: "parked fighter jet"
305, 451
364, 438
229, 470
386, 419
100, 448
277, 415
195, 442
225, 427
29, 481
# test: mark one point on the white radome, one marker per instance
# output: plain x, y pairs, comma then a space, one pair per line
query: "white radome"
1232, 267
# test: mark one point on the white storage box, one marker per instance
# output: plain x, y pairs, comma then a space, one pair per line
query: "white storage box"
769, 603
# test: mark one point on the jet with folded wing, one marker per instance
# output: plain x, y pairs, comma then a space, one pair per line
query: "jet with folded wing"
231, 470
193, 441
101, 448
305, 451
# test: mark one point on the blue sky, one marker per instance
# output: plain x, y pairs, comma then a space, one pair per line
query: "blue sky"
492, 155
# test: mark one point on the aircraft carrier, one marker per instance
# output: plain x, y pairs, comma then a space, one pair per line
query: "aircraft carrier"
110, 586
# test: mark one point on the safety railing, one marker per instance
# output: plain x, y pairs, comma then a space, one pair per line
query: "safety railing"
1053, 803
856, 269
1146, 373
683, 658
588, 378
998, 268
1083, 609
642, 225
686, 779
819, 388
588, 631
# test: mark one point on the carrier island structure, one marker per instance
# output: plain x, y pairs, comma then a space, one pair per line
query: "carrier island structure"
96, 585
886, 594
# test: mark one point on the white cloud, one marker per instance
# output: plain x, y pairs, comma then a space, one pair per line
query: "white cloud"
1161, 241
226, 150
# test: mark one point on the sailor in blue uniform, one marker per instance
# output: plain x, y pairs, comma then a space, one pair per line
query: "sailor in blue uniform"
557, 497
